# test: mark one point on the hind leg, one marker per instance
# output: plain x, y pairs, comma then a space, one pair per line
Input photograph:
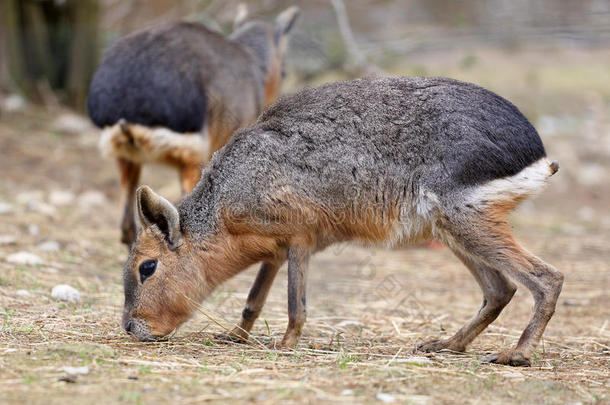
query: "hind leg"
497, 293
130, 175
486, 238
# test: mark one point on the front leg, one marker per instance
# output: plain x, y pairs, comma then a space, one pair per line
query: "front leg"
256, 300
298, 260
130, 175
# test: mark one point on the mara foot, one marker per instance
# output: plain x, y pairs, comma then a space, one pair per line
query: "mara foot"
287, 343
437, 345
513, 358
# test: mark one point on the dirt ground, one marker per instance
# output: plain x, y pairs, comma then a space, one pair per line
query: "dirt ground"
368, 307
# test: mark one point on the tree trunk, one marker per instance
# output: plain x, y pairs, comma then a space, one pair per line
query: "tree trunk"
51, 45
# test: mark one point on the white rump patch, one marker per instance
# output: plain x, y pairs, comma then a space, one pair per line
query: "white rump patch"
143, 144
525, 183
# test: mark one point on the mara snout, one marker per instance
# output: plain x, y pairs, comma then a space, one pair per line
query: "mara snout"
375, 160
175, 94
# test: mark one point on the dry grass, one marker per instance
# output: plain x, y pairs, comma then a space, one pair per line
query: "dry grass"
367, 307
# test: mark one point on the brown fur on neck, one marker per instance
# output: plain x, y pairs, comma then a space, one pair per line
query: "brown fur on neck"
225, 255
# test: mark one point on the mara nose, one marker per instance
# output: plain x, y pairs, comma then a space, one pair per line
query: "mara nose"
128, 326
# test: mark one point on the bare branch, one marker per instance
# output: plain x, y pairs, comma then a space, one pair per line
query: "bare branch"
359, 59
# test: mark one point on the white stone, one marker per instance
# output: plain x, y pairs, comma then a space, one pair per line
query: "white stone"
71, 124
64, 292
23, 257
347, 392
61, 197
5, 208
74, 370
10, 350
418, 360
26, 196
7, 240
92, 198
14, 102
49, 246
43, 208
23, 293
33, 229
513, 375
387, 398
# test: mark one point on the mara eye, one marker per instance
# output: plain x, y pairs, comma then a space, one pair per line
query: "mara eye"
147, 269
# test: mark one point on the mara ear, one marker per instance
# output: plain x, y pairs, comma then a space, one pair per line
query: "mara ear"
241, 15
285, 21
154, 210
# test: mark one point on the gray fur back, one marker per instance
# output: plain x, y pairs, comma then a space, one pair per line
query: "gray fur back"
367, 141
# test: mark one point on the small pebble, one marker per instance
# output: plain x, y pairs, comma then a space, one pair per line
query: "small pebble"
74, 370
387, 398
132, 377
71, 124
49, 246
419, 360
92, 198
23, 293
61, 197
14, 102
27, 196
7, 240
64, 292
347, 392
5, 208
26, 258
33, 230
42, 208
513, 375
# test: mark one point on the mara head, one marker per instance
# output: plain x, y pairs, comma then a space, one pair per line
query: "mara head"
161, 279
268, 42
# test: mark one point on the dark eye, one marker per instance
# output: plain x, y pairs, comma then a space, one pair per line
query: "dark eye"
147, 269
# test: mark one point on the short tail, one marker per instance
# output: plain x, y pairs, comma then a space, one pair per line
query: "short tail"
554, 166
527, 182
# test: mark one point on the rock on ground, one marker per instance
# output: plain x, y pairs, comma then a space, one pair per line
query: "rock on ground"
49, 246
74, 370
64, 292
7, 240
92, 198
387, 398
5, 208
26, 258
61, 197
